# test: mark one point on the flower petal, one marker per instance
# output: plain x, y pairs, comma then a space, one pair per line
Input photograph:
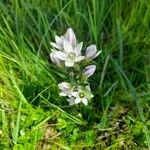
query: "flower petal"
70, 36
88, 88
58, 40
84, 101
52, 56
75, 94
77, 100
61, 55
55, 59
96, 54
78, 48
69, 63
79, 58
62, 94
67, 46
54, 45
71, 101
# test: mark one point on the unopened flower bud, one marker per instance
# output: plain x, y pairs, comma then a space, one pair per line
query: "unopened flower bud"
64, 86
89, 70
91, 52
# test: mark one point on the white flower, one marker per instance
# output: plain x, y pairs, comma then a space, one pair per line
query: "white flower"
81, 95
65, 88
55, 59
89, 70
70, 54
91, 52
69, 36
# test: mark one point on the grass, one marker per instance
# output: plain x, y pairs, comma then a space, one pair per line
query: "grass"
33, 116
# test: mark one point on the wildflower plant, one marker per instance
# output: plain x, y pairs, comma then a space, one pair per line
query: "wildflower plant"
66, 54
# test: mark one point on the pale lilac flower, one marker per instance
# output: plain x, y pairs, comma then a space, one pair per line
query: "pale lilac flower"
70, 55
88, 71
69, 36
91, 52
55, 59
65, 88
66, 52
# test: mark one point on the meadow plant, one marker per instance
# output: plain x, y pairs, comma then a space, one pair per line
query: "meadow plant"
66, 54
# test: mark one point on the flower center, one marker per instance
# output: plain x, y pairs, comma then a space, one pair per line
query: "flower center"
81, 95
71, 56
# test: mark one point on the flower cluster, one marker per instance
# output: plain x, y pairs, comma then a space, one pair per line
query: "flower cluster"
66, 54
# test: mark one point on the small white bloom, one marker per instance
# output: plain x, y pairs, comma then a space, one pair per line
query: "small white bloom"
65, 88
70, 54
82, 95
91, 52
88, 92
89, 70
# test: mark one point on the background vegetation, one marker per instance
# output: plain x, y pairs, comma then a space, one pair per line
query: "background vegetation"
33, 116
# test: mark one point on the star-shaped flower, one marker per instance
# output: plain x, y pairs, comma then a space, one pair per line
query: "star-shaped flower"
70, 55
81, 95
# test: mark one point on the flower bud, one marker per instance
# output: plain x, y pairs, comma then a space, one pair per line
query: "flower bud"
64, 86
65, 89
91, 52
89, 70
